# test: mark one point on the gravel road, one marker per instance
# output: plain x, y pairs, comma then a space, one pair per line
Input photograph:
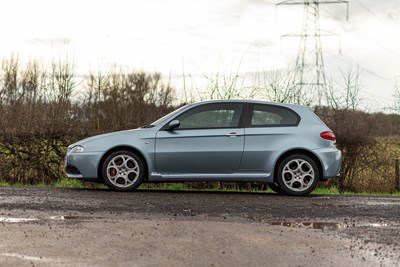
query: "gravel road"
74, 227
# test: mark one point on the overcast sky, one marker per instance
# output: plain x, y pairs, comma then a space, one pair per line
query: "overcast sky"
203, 37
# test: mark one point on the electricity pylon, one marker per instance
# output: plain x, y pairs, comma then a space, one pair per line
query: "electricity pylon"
310, 70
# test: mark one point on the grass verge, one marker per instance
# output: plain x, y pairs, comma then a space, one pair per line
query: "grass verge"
75, 183
66, 183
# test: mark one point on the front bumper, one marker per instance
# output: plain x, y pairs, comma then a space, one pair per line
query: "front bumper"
83, 165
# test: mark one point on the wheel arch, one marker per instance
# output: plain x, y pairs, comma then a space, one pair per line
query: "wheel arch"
302, 152
121, 148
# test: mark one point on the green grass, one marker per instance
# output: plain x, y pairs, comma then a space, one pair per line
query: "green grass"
4, 183
187, 187
334, 191
68, 183
326, 191
75, 183
318, 191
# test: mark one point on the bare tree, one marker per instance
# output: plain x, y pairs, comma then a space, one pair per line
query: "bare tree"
396, 94
62, 80
353, 128
345, 95
280, 86
9, 92
94, 96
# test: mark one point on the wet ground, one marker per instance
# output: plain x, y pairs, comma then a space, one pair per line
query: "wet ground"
72, 227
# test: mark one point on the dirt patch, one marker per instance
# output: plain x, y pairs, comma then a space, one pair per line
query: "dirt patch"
63, 227
114, 242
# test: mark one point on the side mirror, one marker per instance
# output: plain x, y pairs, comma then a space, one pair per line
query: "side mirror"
173, 124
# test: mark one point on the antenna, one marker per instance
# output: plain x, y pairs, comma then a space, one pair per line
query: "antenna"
310, 70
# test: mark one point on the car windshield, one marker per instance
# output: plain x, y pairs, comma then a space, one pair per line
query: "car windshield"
160, 120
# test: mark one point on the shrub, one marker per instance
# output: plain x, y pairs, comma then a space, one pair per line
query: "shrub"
40, 116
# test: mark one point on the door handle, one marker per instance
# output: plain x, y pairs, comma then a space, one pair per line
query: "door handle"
233, 134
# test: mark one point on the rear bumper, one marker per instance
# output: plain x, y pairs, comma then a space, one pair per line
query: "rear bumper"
331, 161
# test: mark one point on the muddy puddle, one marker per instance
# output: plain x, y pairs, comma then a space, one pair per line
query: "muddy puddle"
326, 225
51, 218
70, 218
17, 220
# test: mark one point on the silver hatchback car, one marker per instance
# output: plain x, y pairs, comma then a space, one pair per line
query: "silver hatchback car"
286, 146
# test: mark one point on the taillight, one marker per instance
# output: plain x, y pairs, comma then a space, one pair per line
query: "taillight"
328, 136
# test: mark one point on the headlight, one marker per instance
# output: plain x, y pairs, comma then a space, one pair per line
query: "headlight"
75, 149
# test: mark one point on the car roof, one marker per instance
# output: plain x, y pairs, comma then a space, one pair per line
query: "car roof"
295, 106
302, 111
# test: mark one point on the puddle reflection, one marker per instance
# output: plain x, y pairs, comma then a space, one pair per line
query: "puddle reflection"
16, 220
327, 225
72, 217
313, 225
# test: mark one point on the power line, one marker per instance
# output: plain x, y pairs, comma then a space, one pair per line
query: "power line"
310, 69
369, 10
357, 30
349, 60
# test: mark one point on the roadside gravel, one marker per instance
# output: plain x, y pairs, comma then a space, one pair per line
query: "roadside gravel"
70, 227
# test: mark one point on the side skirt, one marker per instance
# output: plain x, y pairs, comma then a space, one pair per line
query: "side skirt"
189, 177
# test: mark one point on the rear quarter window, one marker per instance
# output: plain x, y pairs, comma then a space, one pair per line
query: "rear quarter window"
269, 115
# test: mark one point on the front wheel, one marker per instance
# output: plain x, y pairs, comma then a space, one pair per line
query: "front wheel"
298, 175
123, 171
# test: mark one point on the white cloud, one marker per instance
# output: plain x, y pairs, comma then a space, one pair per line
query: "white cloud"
200, 36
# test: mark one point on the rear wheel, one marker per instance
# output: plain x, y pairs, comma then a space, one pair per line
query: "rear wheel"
298, 175
123, 171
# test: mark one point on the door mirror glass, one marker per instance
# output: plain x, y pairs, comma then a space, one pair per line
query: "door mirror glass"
173, 124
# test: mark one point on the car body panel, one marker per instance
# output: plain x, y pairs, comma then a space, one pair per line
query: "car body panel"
241, 153
141, 140
199, 151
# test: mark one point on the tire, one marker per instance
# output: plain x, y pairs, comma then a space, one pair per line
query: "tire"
275, 187
123, 171
298, 175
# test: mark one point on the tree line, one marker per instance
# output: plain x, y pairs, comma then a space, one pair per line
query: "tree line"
44, 109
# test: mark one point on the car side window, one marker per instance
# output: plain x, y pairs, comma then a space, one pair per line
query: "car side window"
222, 115
269, 115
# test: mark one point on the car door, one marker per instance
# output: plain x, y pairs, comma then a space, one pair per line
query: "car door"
269, 130
209, 140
